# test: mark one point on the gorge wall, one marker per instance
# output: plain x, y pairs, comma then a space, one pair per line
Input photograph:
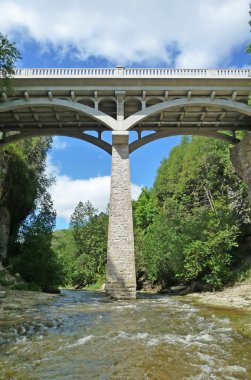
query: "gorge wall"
241, 159
4, 211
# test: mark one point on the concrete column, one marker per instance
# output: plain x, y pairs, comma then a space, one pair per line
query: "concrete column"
120, 278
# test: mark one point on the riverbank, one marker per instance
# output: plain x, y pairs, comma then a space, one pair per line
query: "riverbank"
16, 302
238, 297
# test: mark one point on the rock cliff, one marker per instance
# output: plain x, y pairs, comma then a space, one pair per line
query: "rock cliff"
4, 211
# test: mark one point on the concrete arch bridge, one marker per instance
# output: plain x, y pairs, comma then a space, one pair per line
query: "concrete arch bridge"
154, 103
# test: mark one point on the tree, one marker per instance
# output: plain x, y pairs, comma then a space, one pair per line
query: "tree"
37, 262
249, 45
144, 209
90, 235
64, 247
9, 54
198, 218
82, 214
26, 181
32, 217
248, 50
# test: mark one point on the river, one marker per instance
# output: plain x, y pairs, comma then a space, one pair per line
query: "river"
84, 335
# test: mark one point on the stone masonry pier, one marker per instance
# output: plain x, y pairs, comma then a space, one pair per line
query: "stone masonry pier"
121, 281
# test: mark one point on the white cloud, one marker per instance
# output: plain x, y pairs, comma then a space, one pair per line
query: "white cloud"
67, 192
203, 32
59, 143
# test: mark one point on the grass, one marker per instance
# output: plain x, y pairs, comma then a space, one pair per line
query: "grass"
97, 285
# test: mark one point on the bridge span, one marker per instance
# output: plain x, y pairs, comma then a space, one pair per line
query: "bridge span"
155, 103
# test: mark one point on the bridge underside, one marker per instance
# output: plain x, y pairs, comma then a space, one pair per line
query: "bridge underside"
207, 120
85, 109
153, 106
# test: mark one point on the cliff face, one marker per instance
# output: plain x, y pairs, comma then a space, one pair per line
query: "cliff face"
4, 211
22, 168
241, 158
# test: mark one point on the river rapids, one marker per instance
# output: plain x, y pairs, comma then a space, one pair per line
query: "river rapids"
84, 335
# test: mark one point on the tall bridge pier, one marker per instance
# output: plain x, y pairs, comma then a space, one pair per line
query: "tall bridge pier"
154, 103
121, 279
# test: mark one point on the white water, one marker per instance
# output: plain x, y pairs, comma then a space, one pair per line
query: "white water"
83, 335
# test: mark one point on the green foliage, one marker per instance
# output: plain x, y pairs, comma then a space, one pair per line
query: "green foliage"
8, 57
36, 262
32, 216
31, 286
198, 213
25, 181
196, 171
90, 234
63, 245
208, 255
82, 215
166, 183
146, 209
249, 45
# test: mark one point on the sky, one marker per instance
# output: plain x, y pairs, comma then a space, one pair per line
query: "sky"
132, 33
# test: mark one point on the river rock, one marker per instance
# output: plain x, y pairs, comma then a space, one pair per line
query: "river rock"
178, 288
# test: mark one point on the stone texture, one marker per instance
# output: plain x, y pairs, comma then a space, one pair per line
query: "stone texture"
4, 211
121, 279
4, 231
2, 293
241, 158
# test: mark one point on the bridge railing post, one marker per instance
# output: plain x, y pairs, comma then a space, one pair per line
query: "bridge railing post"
120, 279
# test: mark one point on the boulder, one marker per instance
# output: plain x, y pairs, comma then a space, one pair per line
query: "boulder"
178, 288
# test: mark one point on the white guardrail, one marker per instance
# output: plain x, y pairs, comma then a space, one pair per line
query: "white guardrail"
121, 72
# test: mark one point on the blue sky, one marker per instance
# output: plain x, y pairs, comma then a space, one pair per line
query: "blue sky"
135, 33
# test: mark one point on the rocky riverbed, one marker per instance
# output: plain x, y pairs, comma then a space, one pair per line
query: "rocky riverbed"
16, 302
83, 334
238, 297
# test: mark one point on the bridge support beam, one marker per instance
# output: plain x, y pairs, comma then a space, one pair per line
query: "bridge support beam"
120, 277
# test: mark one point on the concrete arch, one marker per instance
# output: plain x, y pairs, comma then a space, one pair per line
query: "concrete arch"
89, 102
132, 120
104, 98
134, 101
56, 132
111, 102
55, 102
181, 131
159, 99
138, 98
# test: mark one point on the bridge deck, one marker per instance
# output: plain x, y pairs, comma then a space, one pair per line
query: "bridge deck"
167, 101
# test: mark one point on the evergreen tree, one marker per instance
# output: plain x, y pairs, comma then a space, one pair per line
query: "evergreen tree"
63, 245
26, 181
249, 45
9, 54
90, 235
37, 262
